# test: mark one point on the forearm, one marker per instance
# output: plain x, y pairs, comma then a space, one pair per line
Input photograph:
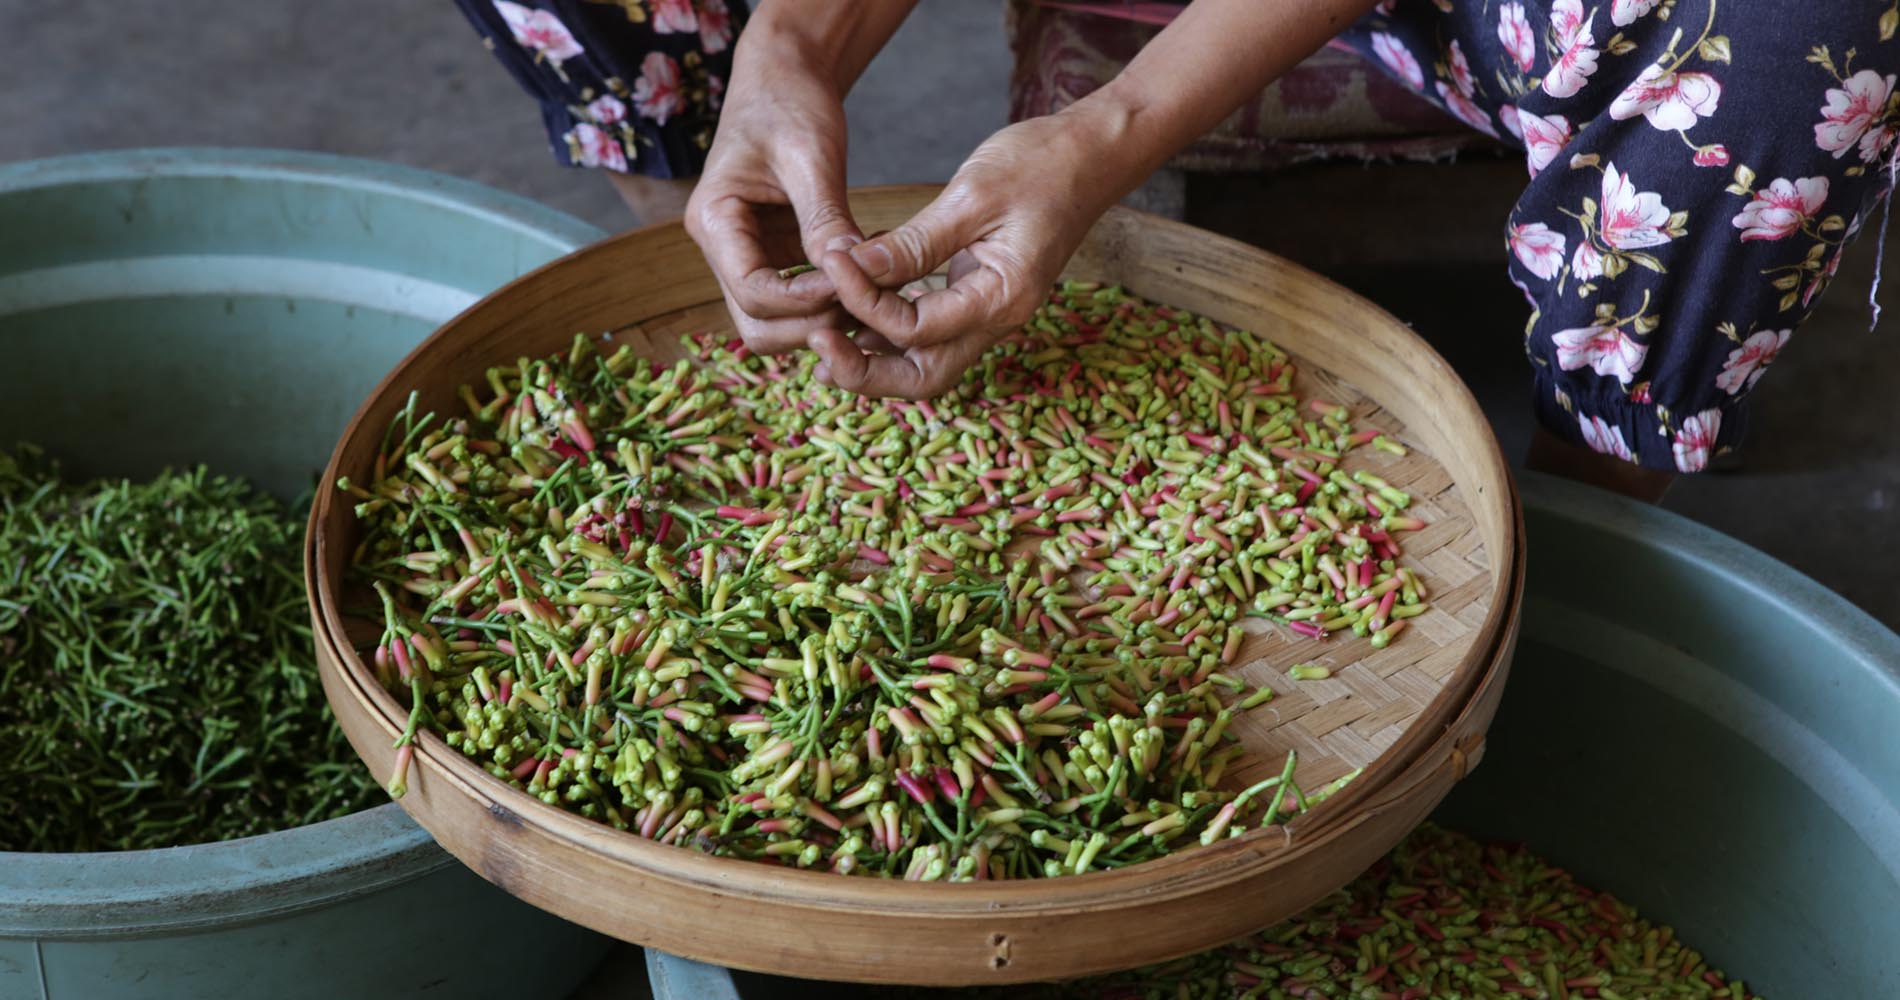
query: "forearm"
1214, 57
841, 38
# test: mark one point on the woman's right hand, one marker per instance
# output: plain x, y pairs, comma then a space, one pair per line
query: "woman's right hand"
773, 192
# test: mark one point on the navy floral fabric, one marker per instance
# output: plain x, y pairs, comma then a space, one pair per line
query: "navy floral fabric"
1696, 170
626, 85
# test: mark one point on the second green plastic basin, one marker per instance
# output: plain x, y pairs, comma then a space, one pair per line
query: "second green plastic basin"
172, 307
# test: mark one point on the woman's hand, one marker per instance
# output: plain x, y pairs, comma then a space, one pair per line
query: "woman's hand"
773, 194
1006, 224
1023, 201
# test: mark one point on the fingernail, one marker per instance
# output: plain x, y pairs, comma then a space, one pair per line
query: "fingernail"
822, 372
845, 242
874, 259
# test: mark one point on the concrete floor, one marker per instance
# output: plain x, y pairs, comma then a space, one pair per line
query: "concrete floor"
407, 82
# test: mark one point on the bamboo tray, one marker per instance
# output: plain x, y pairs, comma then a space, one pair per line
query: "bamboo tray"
1411, 715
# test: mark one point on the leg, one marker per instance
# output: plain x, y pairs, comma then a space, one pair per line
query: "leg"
1696, 171
631, 87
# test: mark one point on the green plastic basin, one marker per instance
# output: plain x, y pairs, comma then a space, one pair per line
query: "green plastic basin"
233, 308
1689, 724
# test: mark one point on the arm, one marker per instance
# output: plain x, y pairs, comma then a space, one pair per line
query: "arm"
773, 193
841, 38
1023, 201
1214, 57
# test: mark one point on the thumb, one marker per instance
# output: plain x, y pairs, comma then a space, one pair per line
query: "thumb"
824, 216
920, 246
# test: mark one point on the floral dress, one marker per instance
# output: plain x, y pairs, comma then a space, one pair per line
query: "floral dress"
1696, 168
626, 85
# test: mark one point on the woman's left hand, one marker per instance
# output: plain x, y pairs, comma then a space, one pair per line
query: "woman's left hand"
1006, 223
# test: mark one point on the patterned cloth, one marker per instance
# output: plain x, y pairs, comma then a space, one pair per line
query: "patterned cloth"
1697, 169
1333, 105
625, 85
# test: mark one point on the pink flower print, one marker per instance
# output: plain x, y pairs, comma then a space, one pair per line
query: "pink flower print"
607, 110
1624, 13
539, 31
1855, 113
657, 94
1586, 264
1604, 439
674, 16
1514, 30
1712, 155
715, 91
1696, 440
1781, 209
1579, 57
1639, 393
1467, 112
1398, 59
1606, 350
1460, 70
1566, 21
1746, 363
1671, 101
596, 147
1507, 113
1631, 219
1544, 138
715, 25
1538, 248
1876, 142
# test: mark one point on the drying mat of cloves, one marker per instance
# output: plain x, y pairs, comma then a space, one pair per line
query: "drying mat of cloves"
1409, 716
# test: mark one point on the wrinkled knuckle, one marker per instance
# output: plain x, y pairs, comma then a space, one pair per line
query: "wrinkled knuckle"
825, 217
910, 250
